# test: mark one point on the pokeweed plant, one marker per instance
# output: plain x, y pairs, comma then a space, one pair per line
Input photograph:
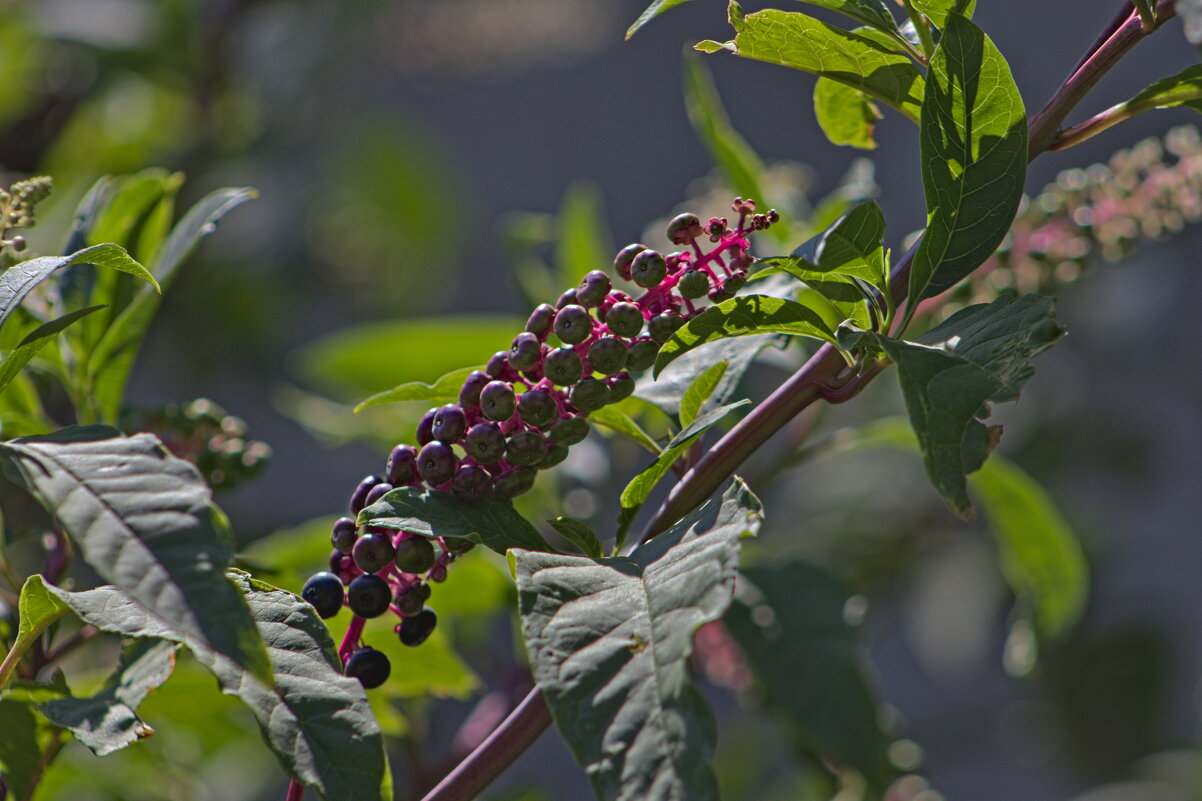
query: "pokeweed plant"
610, 631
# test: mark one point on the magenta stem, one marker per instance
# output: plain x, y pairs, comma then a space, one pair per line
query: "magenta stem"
349, 640
295, 791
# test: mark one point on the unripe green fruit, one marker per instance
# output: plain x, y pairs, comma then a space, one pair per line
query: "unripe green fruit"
497, 401
589, 395
537, 407
485, 443
662, 326
412, 600
510, 485
526, 448
641, 354
607, 355
593, 288
648, 269
436, 462
624, 319
734, 283
693, 284
414, 555
555, 455
540, 319
621, 387
471, 482
525, 351
563, 367
625, 258
684, 228
569, 431
573, 324
372, 552
449, 424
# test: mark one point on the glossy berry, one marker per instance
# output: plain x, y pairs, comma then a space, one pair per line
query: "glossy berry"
662, 326
526, 448
573, 324
497, 365
540, 319
557, 453
563, 366
566, 299
624, 259
425, 428
734, 283
437, 574
537, 407
607, 355
684, 228
621, 387
641, 354
377, 492
402, 466
338, 562
344, 534
368, 596
569, 431
414, 630
436, 462
497, 401
589, 395
593, 288
373, 552
369, 666
624, 319
450, 423
324, 592
469, 394
510, 485
485, 443
525, 351
693, 284
412, 600
414, 555
359, 496
471, 482
648, 269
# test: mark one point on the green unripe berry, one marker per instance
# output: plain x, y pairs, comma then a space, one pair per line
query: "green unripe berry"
734, 282
693, 284
593, 288
573, 324
485, 443
563, 367
414, 555
569, 431
412, 600
510, 485
589, 395
540, 319
684, 228
607, 355
497, 401
641, 354
662, 326
624, 319
648, 269
555, 455
525, 351
621, 387
624, 259
537, 407
526, 448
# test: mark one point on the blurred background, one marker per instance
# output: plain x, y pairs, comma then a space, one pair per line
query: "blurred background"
430, 169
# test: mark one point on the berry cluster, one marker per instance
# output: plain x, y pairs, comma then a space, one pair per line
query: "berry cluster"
17, 208
521, 414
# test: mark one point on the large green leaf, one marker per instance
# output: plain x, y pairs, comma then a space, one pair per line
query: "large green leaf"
609, 642
745, 316
434, 513
444, 390
847, 116
973, 140
108, 721
37, 608
35, 340
145, 521
791, 623
316, 720
978, 356
796, 40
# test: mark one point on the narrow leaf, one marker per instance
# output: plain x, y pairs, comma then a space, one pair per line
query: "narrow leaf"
34, 341
617, 420
652, 11
699, 392
1182, 89
730, 152
609, 642
974, 158
846, 115
583, 243
444, 390
433, 513
37, 608
578, 534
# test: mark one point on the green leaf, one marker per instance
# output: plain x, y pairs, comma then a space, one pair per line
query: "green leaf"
869, 12
34, 341
578, 534
743, 316
433, 513
846, 115
791, 623
795, 40
1182, 89
937, 11
109, 721
652, 11
730, 152
145, 521
974, 158
37, 608
617, 420
432, 671
852, 246
583, 243
949, 376
609, 643
700, 391
20, 279
444, 390
22, 748
316, 720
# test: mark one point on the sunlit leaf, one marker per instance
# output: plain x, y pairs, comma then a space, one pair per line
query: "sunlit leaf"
847, 116
37, 608
700, 392
444, 390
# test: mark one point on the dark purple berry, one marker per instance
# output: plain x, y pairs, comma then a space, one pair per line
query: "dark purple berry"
684, 228
377, 492
324, 592
450, 423
589, 395
593, 288
414, 630
414, 555
485, 443
498, 364
648, 269
607, 355
402, 465
555, 455
569, 431
359, 496
663, 326
469, 395
540, 319
693, 284
344, 534
471, 482
566, 299
641, 354
372, 552
412, 600
436, 462
537, 407
563, 366
369, 666
625, 257
624, 319
525, 351
621, 387
368, 596
497, 401
526, 448
425, 428
339, 562
573, 324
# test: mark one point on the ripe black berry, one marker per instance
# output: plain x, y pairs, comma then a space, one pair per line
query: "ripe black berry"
344, 534
368, 596
402, 465
359, 496
377, 492
607, 355
485, 443
662, 326
621, 387
684, 228
414, 555
449, 424
324, 592
625, 319
497, 401
469, 395
538, 407
369, 666
569, 431
573, 324
436, 462
338, 561
566, 299
593, 288
625, 257
525, 351
372, 552
412, 600
648, 269
641, 354
414, 630
563, 366
526, 448
425, 427
693, 284
471, 482
540, 319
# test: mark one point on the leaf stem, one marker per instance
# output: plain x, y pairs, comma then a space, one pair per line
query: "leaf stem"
1147, 15
923, 28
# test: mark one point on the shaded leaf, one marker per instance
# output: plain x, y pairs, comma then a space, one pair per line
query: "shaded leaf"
37, 608
434, 513
578, 534
740, 165
974, 158
609, 642
869, 12
846, 115
34, 341
651, 12
22, 747
617, 420
144, 520
444, 390
791, 623
700, 391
